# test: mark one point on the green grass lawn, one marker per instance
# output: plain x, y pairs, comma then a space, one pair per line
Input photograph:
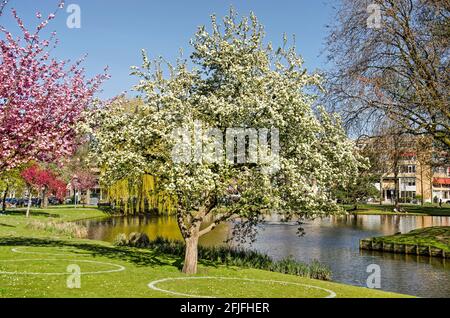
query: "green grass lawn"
438, 236
411, 209
33, 263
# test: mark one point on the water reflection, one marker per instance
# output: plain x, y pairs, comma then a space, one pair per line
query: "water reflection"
333, 241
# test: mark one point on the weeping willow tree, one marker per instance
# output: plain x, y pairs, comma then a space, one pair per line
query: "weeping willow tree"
141, 195
130, 190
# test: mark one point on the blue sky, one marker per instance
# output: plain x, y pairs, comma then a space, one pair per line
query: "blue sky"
113, 32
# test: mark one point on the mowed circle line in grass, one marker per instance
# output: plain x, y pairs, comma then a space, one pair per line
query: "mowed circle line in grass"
118, 268
20, 251
152, 285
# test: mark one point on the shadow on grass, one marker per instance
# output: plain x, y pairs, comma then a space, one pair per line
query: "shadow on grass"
32, 213
131, 255
6, 225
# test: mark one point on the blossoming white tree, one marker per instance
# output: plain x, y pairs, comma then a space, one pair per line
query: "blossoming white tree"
237, 82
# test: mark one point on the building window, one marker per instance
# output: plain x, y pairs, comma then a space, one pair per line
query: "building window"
440, 170
408, 169
408, 156
408, 194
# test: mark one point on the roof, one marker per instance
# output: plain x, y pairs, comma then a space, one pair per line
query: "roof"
441, 180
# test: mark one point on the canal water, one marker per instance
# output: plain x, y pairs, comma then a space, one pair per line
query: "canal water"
333, 241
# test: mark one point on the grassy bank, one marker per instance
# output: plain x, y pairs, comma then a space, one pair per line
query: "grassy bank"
410, 209
232, 256
34, 263
437, 237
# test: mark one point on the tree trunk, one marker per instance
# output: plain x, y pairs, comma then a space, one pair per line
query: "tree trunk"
430, 179
381, 191
4, 199
44, 203
422, 192
29, 203
397, 192
191, 254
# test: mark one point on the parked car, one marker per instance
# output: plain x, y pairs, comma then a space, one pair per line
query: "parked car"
54, 201
21, 202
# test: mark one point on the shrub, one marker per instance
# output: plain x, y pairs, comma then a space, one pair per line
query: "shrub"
121, 240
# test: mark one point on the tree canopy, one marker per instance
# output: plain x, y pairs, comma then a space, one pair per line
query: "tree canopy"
41, 98
396, 70
237, 82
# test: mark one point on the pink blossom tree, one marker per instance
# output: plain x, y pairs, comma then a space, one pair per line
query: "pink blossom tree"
59, 188
44, 181
41, 98
82, 181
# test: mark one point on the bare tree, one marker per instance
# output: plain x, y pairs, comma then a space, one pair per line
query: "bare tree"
388, 146
378, 169
424, 155
397, 69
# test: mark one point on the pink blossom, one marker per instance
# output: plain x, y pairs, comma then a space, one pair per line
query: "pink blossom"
41, 99
40, 179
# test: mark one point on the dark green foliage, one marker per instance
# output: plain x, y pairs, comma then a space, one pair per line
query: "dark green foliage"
362, 189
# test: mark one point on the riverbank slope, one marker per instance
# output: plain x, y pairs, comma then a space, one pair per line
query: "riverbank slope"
409, 209
430, 241
34, 262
